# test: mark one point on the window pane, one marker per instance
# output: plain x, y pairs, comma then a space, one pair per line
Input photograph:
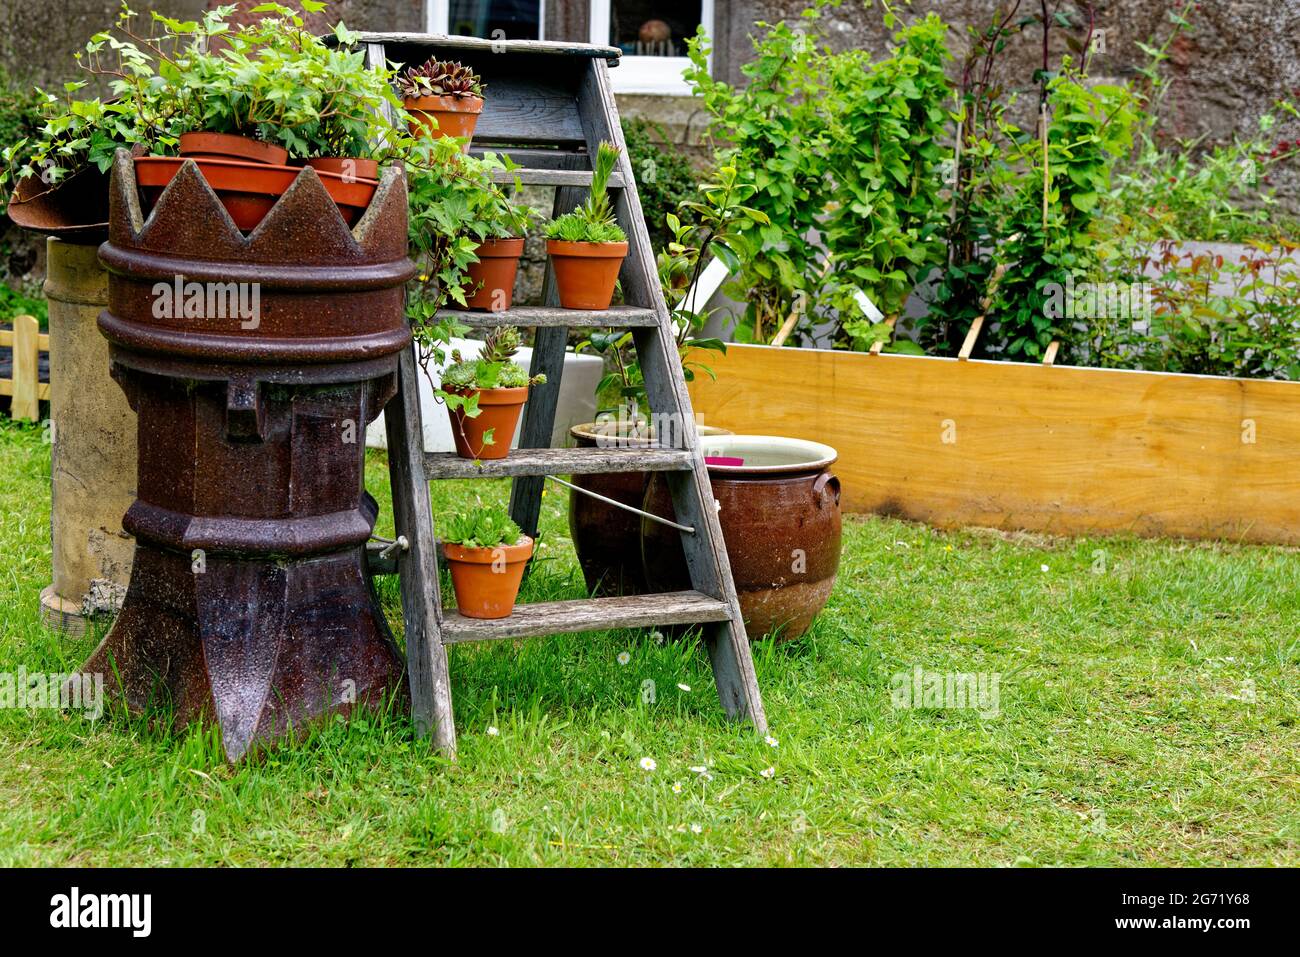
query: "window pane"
517, 19
652, 27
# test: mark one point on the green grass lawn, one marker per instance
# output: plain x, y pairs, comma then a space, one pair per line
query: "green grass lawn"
1148, 715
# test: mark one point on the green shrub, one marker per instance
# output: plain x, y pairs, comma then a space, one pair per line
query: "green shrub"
664, 177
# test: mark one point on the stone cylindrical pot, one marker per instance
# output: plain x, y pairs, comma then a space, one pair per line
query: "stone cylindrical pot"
92, 446
607, 539
253, 364
780, 515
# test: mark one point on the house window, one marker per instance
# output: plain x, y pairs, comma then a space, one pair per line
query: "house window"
652, 35
490, 19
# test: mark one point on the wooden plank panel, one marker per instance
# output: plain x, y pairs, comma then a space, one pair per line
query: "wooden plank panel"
587, 614
1055, 449
578, 461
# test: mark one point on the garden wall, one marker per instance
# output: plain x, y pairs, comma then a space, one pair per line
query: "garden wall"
1042, 448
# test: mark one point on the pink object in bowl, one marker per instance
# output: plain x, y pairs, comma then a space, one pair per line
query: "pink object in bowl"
723, 460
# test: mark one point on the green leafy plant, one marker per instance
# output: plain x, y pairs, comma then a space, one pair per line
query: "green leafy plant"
844, 155
593, 221
483, 526
271, 80
454, 206
1208, 315
437, 77
711, 231
664, 176
888, 153
777, 127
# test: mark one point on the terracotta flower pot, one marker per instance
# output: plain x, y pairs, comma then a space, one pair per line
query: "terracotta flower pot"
444, 116
231, 147
350, 168
487, 580
491, 283
586, 272
498, 410
249, 190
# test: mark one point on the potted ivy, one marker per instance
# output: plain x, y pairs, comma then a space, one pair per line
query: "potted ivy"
486, 554
587, 246
491, 277
442, 98
485, 395
273, 95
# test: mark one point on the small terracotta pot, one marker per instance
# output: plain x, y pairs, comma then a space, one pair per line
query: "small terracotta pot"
491, 283
586, 272
498, 409
228, 146
249, 190
444, 116
346, 166
487, 580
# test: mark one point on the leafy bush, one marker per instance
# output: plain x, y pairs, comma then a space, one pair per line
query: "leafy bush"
843, 155
481, 527
711, 231
1207, 315
664, 177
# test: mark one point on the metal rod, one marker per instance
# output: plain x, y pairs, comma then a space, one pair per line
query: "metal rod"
627, 508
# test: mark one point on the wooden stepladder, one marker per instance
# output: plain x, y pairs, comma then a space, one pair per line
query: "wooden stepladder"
549, 105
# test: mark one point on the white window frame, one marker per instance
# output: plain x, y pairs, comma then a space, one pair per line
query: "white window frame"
437, 18
656, 75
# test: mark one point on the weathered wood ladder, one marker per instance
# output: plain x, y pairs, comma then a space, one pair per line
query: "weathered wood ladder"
549, 105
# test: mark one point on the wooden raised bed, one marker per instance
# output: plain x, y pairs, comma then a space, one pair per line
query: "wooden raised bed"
1043, 448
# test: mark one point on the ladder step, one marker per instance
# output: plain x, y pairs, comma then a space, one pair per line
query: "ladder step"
620, 317
582, 461
528, 176
587, 614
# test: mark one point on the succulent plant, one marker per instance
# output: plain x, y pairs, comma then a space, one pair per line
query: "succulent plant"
594, 220
493, 369
437, 77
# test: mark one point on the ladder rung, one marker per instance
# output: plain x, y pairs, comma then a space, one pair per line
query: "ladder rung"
581, 461
587, 614
616, 316
529, 176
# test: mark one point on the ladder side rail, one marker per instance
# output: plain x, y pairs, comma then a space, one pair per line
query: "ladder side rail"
692, 493
426, 656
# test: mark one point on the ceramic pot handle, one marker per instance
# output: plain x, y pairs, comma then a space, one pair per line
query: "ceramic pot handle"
819, 489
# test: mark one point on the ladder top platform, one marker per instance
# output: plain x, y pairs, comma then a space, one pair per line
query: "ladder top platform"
445, 41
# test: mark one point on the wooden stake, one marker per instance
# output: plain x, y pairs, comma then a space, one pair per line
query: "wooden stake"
1049, 357
27, 369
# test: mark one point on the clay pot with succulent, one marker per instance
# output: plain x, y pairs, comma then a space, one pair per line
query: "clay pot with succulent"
442, 98
485, 395
486, 554
587, 246
272, 97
